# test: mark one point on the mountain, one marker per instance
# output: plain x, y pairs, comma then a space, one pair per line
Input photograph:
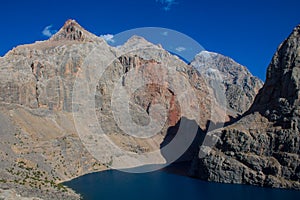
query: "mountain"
64, 102
239, 85
262, 148
40, 147
72, 31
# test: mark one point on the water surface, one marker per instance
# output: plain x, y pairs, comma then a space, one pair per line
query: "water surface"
160, 185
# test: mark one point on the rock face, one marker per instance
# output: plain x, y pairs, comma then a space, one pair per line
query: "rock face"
40, 147
46, 70
239, 84
279, 98
165, 81
263, 147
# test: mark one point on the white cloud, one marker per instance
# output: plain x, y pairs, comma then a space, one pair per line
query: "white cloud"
108, 38
165, 33
167, 4
48, 31
180, 49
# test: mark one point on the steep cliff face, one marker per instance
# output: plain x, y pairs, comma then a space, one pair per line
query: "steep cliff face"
279, 98
239, 85
42, 74
263, 147
166, 81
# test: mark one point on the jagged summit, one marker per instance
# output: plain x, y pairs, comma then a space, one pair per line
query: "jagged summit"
279, 98
70, 33
240, 86
74, 32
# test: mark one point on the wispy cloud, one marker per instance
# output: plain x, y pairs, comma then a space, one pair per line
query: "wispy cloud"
165, 33
108, 37
48, 31
180, 49
167, 4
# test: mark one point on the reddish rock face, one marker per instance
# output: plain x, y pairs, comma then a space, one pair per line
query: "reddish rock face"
158, 92
152, 94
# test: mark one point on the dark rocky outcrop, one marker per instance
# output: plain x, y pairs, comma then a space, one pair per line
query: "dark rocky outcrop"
262, 148
279, 99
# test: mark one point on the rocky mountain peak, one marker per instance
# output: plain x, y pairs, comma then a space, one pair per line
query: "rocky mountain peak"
137, 42
137, 38
239, 85
74, 32
279, 98
147, 50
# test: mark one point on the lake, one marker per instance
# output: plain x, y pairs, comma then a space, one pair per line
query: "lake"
162, 185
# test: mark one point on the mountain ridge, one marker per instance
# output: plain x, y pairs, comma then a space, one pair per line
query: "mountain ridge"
36, 95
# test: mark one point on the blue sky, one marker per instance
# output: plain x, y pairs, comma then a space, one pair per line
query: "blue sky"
247, 31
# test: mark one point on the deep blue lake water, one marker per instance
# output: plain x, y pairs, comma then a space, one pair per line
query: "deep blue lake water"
160, 185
